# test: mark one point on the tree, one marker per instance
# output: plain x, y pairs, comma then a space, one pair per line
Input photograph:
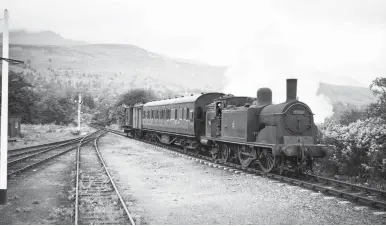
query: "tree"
130, 98
135, 96
350, 116
56, 109
378, 110
21, 98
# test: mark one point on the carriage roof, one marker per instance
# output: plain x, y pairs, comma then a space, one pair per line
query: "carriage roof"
179, 100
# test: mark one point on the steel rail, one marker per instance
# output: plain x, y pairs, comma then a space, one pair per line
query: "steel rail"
77, 178
41, 145
112, 181
359, 187
41, 161
40, 151
354, 197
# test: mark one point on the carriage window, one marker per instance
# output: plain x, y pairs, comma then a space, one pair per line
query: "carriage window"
175, 113
187, 113
167, 113
191, 115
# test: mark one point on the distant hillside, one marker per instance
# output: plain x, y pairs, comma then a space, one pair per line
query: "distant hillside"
39, 38
357, 96
51, 58
123, 63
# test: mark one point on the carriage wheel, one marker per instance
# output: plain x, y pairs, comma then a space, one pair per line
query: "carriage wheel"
198, 149
246, 155
185, 146
214, 152
267, 160
225, 152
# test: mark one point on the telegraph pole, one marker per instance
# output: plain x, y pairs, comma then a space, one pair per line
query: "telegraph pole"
79, 106
4, 114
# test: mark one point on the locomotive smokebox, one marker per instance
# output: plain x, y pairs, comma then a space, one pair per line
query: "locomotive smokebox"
291, 89
264, 96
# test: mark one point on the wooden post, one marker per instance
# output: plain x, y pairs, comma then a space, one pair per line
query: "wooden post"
79, 108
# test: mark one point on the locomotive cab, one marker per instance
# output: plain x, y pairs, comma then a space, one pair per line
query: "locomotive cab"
218, 110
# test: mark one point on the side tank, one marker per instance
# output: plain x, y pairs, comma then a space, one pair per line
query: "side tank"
239, 123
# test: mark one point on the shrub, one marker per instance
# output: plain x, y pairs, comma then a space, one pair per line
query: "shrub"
361, 148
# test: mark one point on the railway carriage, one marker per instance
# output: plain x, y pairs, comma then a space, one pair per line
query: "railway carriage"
176, 121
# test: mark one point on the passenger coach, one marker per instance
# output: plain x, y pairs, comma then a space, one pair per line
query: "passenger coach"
178, 120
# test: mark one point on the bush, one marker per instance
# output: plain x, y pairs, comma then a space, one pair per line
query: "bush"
361, 148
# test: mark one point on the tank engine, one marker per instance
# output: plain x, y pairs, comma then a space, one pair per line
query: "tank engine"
274, 136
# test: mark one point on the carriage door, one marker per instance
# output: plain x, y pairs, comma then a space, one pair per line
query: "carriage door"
129, 116
140, 116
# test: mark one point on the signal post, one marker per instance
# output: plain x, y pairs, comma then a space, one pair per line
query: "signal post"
4, 114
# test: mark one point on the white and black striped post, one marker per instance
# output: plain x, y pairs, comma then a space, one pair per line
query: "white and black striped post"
4, 115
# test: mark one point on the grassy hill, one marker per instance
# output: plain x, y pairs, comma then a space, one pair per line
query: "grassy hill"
53, 59
39, 38
356, 96
346, 98
118, 66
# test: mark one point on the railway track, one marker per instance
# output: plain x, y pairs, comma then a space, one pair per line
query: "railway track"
41, 146
97, 199
20, 160
359, 194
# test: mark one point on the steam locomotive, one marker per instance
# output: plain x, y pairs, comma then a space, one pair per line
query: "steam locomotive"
244, 130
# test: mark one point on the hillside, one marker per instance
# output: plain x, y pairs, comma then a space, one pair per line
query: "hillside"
356, 96
118, 66
39, 38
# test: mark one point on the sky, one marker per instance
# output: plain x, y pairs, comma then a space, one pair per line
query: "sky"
262, 42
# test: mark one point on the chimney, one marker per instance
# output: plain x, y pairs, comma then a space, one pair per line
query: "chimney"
291, 89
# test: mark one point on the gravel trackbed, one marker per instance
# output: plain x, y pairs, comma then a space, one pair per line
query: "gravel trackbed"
164, 188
